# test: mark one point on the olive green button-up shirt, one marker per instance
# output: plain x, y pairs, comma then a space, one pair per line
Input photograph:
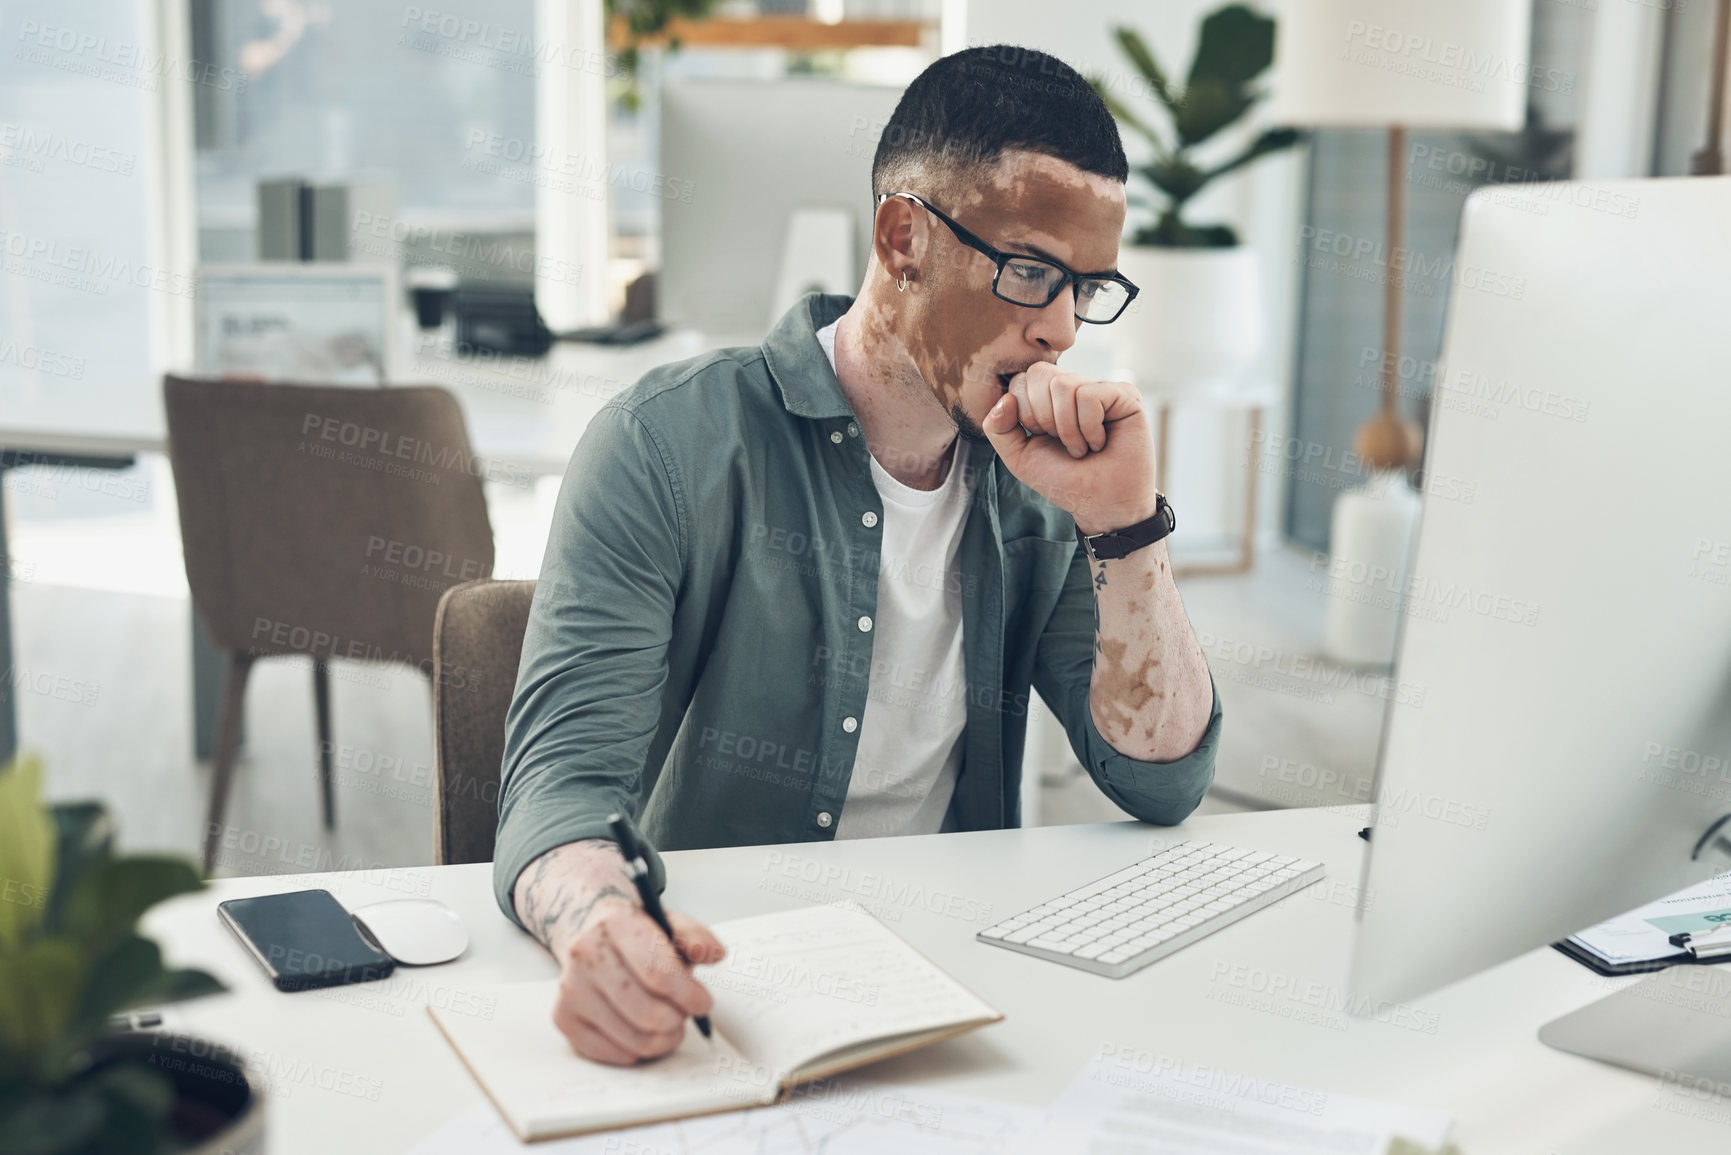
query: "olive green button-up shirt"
700, 645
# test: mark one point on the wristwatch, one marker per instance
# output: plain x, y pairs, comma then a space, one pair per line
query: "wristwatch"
1116, 543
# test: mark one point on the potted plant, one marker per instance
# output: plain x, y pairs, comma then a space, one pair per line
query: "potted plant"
631, 23
71, 1082
1197, 324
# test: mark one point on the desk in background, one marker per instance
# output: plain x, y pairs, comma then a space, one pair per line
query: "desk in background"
524, 416
362, 1068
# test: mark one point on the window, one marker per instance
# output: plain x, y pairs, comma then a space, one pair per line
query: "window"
428, 102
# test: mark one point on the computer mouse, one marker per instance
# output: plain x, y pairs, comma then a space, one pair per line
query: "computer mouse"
414, 931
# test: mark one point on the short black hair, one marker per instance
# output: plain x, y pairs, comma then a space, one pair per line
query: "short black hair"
967, 108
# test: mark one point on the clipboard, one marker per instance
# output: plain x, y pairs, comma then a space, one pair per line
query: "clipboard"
1703, 948
1611, 970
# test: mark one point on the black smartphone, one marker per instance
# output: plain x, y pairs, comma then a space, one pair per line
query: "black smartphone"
304, 939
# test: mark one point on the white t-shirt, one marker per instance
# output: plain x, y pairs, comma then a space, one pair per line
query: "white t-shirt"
910, 740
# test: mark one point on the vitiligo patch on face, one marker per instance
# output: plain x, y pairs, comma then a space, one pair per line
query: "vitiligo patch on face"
958, 333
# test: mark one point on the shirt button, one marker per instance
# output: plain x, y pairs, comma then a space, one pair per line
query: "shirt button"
823, 819
852, 429
836, 437
865, 625
869, 518
850, 724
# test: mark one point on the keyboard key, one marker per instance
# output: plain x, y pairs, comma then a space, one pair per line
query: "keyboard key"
1092, 951
1021, 935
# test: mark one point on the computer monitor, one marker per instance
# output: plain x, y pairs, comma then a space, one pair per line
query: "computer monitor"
330, 323
1562, 740
745, 155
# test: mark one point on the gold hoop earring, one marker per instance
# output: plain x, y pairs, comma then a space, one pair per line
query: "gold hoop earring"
902, 285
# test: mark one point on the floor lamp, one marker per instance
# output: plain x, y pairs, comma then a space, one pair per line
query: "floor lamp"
1710, 160
1394, 65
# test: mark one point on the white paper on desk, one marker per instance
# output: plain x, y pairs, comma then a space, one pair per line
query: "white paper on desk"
1631, 938
1113, 1108
834, 1116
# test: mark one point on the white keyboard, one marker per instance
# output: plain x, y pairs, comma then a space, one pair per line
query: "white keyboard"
1121, 923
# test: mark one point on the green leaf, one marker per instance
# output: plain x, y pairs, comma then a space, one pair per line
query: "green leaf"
39, 986
1210, 105
15, 1070
1272, 140
1236, 45
49, 1124
26, 850
129, 974
1133, 46
1176, 177
126, 974
107, 901
85, 837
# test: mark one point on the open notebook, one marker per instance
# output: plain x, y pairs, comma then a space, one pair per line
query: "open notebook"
803, 994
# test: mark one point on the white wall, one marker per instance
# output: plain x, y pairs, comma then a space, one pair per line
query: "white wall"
1206, 474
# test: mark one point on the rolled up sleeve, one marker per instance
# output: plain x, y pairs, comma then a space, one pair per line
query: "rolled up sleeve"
589, 688
1164, 793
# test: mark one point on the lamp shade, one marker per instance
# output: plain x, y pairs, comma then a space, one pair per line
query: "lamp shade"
1439, 64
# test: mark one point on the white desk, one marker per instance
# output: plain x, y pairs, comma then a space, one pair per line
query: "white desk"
526, 414
522, 413
362, 1068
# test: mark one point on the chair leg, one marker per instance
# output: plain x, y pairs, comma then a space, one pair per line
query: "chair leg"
322, 698
227, 747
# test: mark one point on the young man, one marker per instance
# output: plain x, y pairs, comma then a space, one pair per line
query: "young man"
800, 591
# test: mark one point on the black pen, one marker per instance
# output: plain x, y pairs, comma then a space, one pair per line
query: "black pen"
637, 863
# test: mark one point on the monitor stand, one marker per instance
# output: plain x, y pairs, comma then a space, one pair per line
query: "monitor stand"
1675, 1024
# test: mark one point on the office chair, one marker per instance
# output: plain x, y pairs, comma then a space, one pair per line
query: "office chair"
477, 646
324, 521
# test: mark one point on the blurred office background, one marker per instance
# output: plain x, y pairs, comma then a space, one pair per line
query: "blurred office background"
506, 146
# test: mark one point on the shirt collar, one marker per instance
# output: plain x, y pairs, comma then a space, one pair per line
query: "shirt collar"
801, 371
796, 361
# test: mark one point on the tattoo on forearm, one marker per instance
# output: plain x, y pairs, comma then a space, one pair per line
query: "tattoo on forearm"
549, 905
560, 912
1099, 584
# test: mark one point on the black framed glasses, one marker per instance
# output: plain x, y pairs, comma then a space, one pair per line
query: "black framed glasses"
1035, 282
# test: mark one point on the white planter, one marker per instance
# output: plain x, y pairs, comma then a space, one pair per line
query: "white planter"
1196, 326
1371, 542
